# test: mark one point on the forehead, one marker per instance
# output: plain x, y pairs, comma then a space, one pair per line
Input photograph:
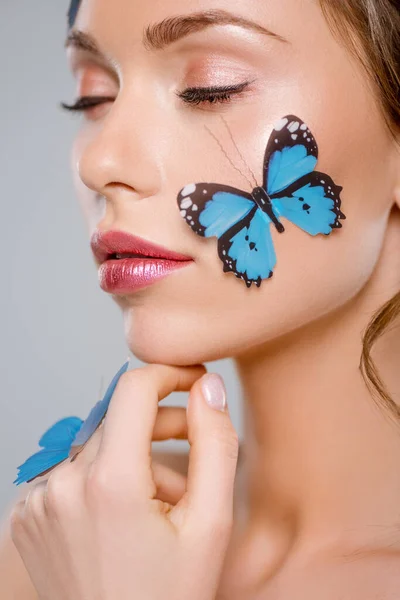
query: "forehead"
285, 14
72, 12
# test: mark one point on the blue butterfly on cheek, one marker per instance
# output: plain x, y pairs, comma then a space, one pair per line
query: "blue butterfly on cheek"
291, 189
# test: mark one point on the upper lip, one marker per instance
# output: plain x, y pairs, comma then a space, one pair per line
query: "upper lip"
106, 243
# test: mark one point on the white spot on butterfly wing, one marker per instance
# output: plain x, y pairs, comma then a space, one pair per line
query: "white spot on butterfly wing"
194, 207
294, 136
293, 126
183, 213
281, 124
188, 189
303, 126
186, 203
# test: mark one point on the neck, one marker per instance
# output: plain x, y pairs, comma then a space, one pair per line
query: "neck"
320, 460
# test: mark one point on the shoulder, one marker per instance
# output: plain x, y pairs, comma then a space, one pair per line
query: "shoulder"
379, 575
359, 576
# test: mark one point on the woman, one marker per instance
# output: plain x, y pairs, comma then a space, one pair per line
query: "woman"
314, 509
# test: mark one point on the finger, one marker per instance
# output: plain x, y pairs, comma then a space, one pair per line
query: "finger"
124, 456
86, 456
170, 484
30, 512
35, 502
214, 446
171, 423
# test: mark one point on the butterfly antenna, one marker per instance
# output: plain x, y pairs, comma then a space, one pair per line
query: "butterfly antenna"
238, 151
233, 165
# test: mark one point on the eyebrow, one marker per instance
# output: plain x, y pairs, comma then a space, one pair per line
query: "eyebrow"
172, 29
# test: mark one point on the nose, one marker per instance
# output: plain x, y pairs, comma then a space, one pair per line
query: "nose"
123, 149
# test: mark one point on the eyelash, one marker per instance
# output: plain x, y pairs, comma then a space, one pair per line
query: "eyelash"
191, 95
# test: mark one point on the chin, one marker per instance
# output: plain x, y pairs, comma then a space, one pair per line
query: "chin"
178, 339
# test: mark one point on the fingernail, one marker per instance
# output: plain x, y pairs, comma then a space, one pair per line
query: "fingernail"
214, 390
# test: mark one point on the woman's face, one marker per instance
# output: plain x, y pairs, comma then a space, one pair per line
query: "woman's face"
135, 153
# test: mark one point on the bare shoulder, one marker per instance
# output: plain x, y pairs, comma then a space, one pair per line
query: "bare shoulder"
381, 575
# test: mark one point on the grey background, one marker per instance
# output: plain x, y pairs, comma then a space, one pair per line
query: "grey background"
61, 335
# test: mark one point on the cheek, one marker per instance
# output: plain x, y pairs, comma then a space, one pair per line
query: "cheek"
316, 275
214, 315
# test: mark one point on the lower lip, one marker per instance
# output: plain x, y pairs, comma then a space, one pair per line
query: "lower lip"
126, 275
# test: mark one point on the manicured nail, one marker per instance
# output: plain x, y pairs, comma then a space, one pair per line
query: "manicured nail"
214, 390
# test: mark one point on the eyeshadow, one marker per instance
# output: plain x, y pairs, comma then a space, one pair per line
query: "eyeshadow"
72, 12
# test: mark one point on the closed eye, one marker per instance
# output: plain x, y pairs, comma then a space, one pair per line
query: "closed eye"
191, 95
85, 102
211, 94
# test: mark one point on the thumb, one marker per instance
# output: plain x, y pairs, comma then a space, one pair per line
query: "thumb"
214, 447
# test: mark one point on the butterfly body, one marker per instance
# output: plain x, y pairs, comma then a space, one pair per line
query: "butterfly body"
291, 189
264, 203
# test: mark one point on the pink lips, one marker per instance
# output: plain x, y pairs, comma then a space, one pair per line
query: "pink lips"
125, 275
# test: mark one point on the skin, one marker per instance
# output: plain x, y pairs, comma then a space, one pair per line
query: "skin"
316, 511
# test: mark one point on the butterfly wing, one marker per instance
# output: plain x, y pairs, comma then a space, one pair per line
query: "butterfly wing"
96, 415
308, 198
247, 248
66, 437
244, 240
290, 154
56, 442
211, 209
312, 203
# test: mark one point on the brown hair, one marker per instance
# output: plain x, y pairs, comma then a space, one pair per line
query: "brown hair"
371, 30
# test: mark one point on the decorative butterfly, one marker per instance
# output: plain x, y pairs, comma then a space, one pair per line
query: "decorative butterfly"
66, 437
291, 189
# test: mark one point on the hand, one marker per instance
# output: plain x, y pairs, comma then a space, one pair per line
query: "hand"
101, 527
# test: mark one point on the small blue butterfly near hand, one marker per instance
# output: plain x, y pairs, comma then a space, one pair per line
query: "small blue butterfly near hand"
291, 189
67, 437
